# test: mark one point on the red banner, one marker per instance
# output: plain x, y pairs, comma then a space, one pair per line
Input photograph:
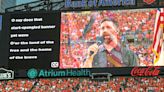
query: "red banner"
149, 1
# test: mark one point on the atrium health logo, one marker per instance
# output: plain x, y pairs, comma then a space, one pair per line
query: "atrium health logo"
32, 73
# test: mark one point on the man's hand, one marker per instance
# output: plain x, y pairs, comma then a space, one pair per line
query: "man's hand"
92, 50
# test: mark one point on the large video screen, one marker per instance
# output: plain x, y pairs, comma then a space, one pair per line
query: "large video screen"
107, 38
92, 41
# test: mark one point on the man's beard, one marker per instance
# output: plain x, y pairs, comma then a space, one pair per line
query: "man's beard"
108, 38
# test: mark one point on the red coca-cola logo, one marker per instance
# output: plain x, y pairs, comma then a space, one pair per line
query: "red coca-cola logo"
149, 1
149, 71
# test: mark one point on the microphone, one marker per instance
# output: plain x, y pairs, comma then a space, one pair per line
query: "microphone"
99, 41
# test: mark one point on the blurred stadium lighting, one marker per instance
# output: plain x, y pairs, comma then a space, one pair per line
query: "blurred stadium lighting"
47, 5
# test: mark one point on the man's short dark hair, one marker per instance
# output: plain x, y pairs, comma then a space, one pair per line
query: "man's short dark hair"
111, 20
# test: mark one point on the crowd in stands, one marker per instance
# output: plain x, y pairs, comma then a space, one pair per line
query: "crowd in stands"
145, 56
16, 85
74, 42
115, 84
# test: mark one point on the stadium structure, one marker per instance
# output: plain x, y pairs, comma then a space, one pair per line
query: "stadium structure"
51, 5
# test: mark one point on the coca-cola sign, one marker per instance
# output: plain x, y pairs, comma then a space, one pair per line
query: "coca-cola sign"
148, 71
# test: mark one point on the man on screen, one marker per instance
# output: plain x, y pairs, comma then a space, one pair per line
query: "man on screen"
110, 53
